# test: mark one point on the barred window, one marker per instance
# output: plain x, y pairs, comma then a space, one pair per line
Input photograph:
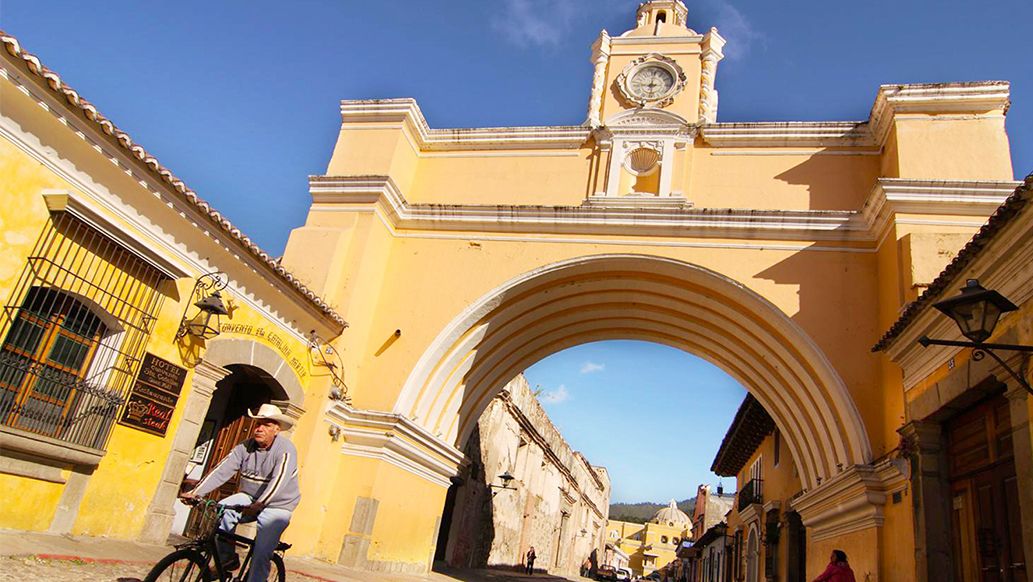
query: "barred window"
74, 334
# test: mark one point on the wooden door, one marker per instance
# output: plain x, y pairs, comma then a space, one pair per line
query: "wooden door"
987, 534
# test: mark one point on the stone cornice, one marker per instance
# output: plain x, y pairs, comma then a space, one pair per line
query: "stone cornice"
669, 217
891, 100
892, 196
851, 501
397, 440
407, 112
933, 98
788, 133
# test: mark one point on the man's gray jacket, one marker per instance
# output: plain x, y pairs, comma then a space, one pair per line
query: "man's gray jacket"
269, 476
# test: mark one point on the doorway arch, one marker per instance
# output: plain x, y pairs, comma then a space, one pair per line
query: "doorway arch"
623, 296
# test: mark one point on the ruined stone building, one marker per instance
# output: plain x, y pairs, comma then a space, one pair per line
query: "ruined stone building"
557, 501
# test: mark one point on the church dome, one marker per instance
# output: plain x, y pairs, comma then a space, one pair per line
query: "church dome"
671, 516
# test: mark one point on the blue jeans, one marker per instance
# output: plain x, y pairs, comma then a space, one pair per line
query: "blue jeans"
271, 523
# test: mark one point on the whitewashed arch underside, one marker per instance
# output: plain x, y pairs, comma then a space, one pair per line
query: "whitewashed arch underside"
646, 298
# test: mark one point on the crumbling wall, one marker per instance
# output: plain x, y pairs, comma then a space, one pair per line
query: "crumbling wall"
558, 502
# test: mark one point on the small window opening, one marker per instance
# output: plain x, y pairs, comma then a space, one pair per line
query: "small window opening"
661, 17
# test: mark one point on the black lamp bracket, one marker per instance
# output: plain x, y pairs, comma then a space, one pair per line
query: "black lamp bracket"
981, 350
204, 286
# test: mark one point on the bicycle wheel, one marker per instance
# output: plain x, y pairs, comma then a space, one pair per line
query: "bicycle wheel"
180, 566
277, 571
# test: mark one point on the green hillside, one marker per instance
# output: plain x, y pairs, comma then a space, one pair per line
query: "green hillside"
641, 512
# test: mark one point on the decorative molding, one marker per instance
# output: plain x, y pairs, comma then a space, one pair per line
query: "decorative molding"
894, 196
891, 100
713, 43
74, 204
788, 133
406, 113
600, 59
623, 40
397, 440
663, 216
851, 501
651, 60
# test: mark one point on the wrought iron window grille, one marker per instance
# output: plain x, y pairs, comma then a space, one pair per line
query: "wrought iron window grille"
74, 331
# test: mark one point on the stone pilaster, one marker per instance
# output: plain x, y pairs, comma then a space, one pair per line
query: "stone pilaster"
712, 45
600, 58
1022, 443
931, 499
159, 515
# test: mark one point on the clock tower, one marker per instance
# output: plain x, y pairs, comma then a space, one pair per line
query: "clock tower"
652, 89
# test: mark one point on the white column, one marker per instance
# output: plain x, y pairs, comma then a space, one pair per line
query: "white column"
600, 58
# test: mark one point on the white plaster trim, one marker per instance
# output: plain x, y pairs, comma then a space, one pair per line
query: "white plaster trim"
667, 216
816, 152
633, 40
851, 501
934, 98
407, 112
789, 133
74, 204
894, 196
397, 440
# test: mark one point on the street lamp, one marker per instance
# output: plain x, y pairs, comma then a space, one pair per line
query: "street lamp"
208, 305
506, 479
976, 311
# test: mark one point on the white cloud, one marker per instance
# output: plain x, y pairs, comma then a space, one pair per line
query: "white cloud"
544, 23
556, 396
735, 27
590, 367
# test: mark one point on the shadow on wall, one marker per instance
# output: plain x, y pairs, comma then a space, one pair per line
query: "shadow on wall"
467, 525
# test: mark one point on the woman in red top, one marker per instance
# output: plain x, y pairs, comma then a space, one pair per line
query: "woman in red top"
838, 570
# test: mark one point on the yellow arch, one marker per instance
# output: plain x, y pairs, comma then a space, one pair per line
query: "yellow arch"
648, 298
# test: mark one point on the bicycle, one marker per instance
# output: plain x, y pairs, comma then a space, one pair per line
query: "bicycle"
189, 562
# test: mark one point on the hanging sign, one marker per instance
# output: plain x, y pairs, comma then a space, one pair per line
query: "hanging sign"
154, 395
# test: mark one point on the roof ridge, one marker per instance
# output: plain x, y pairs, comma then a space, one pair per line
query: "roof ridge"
90, 112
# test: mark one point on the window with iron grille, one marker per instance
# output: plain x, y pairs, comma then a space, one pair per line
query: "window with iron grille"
73, 334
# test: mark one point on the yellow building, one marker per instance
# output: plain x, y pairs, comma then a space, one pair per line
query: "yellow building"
654, 544
973, 513
460, 257
113, 381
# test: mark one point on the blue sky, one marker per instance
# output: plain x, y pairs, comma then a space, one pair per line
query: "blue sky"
652, 415
240, 99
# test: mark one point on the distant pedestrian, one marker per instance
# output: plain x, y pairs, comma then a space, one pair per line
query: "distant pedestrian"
530, 561
838, 569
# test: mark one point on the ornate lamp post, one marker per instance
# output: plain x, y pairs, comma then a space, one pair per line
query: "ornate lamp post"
976, 311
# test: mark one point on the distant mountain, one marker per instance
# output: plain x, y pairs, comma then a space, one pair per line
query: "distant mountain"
642, 512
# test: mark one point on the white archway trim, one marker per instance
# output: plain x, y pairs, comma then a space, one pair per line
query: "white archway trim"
228, 351
653, 299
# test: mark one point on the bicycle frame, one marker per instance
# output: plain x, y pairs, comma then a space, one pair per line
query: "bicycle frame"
208, 547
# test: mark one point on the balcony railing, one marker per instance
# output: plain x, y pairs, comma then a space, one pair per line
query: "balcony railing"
752, 492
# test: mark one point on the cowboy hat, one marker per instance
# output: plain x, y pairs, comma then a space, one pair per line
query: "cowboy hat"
271, 412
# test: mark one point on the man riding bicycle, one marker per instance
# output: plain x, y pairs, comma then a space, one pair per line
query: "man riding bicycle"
268, 467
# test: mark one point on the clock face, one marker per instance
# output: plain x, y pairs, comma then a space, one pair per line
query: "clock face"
651, 83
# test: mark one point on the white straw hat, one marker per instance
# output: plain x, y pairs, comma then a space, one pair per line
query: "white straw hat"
272, 412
